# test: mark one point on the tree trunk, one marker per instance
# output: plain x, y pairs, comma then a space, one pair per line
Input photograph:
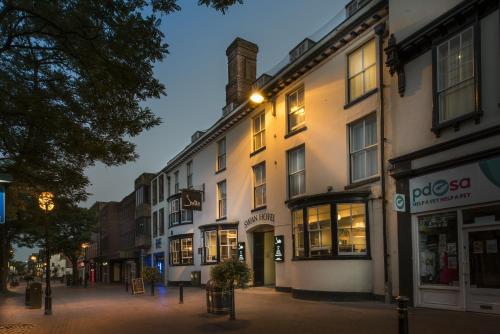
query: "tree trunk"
74, 265
152, 288
4, 267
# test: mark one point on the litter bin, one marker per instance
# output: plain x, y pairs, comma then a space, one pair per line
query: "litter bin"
218, 299
196, 278
35, 295
27, 294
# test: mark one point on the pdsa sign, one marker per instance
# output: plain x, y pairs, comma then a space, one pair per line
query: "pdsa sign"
470, 184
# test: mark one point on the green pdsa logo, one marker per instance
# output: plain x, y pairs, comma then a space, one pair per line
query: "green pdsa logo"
441, 188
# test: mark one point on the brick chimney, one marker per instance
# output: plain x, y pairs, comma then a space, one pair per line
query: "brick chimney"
242, 69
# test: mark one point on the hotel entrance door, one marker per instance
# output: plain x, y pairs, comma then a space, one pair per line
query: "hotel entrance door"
263, 262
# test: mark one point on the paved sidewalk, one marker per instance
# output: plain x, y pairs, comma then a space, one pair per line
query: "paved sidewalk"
109, 309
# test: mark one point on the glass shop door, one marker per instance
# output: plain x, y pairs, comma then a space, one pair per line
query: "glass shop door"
482, 269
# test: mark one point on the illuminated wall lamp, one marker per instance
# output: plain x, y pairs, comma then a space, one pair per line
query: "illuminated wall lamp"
257, 97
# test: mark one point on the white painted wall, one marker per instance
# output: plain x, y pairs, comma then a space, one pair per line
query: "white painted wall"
327, 164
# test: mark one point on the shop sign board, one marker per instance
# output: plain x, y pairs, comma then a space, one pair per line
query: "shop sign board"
2, 204
191, 199
137, 285
241, 251
399, 203
465, 185
261, 218
279, 248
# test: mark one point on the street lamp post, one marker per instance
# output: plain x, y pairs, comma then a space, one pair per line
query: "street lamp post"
46, 203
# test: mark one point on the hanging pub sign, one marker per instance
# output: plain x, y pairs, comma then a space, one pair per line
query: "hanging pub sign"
241, 251
191, 199
279, 248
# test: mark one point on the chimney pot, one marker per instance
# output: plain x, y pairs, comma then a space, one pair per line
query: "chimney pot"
242, 71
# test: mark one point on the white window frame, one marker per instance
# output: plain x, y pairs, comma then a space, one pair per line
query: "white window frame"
320, 230
231, 245
174, 217
294, 173
299, 109
259, 185
176, 182
221, 200
259, 132
221, 155
365, 149
364, 68
189, 173
207, 244
462, 80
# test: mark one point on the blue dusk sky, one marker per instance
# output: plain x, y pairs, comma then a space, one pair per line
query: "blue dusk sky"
195, 75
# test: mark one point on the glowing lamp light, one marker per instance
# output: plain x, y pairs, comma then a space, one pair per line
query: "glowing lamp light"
46, 201
339, 217
85, 245
257, 97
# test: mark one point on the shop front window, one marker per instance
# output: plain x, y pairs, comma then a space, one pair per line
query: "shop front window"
438, 249
210, 239
351, 228
320, 233
181, 250
298, 232
228, 242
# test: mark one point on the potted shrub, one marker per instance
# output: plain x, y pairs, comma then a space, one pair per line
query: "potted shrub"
151, 275
226, 276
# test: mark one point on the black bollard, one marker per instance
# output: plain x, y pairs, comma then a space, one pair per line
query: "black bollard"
402, 314
126, 285
232, 313
181, 293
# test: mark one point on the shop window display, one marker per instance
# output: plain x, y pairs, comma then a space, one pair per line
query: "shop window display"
438, 249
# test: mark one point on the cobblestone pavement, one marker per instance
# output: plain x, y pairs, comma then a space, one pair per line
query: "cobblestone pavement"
109, 309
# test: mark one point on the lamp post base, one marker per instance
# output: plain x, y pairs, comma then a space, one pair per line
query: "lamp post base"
48, 305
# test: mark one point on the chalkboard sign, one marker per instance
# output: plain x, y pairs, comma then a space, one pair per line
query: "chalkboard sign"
241, 251
137, 285
279, 248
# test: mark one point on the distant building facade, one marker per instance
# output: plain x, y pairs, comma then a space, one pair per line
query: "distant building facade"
121, 243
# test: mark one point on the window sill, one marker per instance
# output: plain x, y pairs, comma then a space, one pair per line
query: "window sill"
209, 263
221, 218
220, 170
294, 132
180, 224
263, 148
333, 257
182, 265
361, 98
455, 122
259, 208
357, 184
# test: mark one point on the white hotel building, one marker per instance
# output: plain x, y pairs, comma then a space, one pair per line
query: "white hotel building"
304, 165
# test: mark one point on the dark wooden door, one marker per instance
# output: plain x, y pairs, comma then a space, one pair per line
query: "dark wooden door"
258, 258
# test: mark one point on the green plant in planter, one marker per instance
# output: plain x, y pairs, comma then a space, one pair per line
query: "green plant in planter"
151, 275
230, 274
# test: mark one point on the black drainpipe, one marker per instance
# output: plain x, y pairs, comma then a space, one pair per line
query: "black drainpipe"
380, 31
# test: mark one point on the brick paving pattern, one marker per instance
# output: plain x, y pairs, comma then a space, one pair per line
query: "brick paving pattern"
109, 309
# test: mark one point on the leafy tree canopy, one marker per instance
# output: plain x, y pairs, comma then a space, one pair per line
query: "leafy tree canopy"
73, 74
